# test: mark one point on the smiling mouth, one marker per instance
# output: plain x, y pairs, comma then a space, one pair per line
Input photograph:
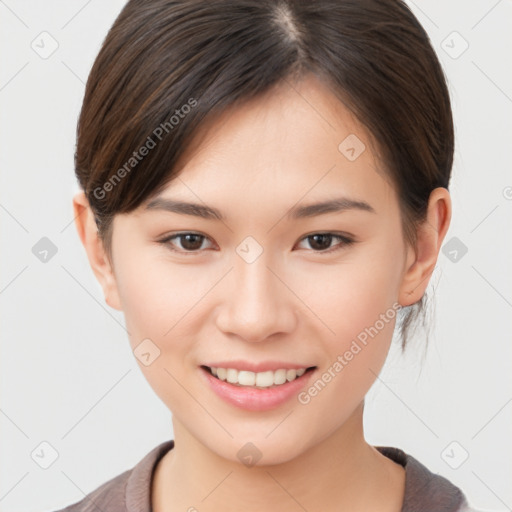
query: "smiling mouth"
263, 380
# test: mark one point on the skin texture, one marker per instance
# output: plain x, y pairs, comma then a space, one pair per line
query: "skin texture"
292, 303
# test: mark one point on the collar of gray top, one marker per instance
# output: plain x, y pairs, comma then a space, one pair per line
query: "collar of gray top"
424, 491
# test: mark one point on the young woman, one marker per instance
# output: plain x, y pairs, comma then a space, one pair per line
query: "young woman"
264, 196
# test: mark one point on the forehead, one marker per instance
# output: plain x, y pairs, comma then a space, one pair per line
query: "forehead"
297, 141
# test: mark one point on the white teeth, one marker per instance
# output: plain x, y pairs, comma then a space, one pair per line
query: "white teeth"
231, 376
245, 378
259, 379
280, 377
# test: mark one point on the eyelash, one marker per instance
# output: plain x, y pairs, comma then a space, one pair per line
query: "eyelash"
344, 239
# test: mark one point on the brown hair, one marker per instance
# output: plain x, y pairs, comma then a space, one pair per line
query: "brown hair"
168, 66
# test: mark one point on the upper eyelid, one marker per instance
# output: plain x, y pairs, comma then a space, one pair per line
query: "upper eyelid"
172, 236
339, 235
183, 233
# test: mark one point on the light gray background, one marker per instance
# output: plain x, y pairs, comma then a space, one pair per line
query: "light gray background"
68, 376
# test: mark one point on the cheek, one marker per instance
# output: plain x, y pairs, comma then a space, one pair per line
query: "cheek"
352, 295
356, 300
158, 300
358, 303
157, 295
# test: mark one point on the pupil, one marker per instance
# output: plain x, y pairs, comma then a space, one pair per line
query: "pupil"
192, 245
325, 238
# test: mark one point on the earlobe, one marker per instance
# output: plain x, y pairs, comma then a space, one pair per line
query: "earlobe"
98, 259
422, 259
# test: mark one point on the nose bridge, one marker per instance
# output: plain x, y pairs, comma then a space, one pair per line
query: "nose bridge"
257, 304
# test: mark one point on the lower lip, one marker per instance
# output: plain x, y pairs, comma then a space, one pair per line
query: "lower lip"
256, 399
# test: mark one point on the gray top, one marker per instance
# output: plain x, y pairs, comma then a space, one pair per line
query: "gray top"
131, 491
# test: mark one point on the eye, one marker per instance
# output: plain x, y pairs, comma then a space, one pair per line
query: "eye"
189, 242
321, 242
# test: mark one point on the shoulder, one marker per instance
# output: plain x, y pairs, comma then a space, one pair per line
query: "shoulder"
128, 491
108, 496
424, 490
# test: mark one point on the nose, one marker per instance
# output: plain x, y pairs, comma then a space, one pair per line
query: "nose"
256, 302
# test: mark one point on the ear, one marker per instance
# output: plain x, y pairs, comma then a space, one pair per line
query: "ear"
421, 260
98, 259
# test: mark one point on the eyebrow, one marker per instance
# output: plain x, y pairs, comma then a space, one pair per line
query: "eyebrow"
336, 205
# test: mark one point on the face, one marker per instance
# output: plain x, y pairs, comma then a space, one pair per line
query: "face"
265, 283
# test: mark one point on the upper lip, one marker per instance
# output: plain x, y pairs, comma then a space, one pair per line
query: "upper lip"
263, 366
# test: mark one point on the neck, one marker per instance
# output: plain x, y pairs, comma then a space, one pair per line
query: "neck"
342, 472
